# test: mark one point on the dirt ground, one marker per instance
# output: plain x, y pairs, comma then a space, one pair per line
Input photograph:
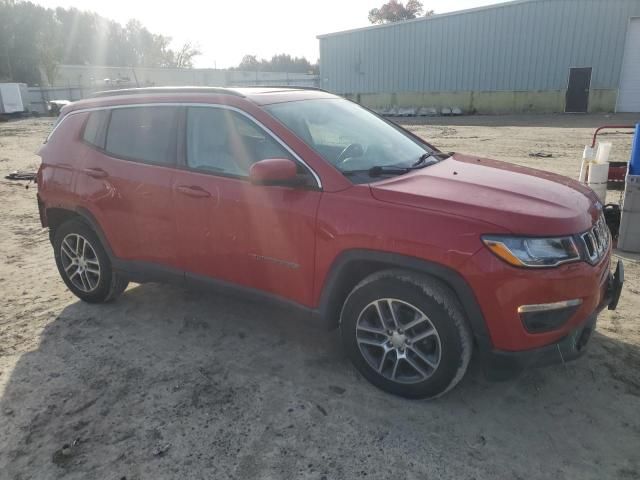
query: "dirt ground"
171, 383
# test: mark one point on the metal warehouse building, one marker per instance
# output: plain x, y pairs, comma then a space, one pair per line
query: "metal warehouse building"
520, 56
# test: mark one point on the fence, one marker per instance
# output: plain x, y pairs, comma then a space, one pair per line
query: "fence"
39, 96
74, 82
77, 82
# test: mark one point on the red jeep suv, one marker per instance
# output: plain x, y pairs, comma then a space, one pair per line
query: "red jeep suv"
420, 257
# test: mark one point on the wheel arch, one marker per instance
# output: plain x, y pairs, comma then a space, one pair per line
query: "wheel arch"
352, 266
56, 216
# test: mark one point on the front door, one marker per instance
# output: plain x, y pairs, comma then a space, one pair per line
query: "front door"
577, 99
261, 237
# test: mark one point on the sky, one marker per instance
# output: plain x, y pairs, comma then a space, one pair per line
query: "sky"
226, 30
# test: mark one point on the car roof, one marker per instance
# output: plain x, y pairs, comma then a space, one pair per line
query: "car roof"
257, 95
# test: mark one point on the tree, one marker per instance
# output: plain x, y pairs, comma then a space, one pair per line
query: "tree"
34, 40
183, 58
395, 11
279, 63
249, 63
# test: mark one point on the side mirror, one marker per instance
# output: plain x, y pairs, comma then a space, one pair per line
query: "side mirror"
274, 171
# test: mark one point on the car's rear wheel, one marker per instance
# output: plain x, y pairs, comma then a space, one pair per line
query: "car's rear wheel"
406, 333
84, 264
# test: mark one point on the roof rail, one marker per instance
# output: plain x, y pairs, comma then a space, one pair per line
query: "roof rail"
288, 87
151, 90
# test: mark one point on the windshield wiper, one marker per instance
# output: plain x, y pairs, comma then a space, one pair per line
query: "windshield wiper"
423, 158
389, 170
427, 155
422, 162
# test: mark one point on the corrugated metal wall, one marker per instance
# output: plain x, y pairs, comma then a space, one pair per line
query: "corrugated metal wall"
526, 45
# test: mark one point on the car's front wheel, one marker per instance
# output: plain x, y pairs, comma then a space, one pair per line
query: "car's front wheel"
84, 264
406, 333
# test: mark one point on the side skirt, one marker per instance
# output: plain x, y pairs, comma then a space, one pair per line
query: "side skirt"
144, 272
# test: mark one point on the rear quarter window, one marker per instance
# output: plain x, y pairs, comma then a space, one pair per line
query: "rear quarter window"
95, 128
145, 134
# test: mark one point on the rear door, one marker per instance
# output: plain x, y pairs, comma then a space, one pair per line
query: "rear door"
127, 176
261, 237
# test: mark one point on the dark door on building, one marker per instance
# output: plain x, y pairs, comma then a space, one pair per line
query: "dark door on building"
577, 100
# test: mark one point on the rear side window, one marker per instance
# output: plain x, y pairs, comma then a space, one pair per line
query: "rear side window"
95, 128
145, 134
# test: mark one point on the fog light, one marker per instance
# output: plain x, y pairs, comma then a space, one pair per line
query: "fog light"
547, 316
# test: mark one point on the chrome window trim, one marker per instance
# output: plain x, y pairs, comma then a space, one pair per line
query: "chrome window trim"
199, 104
543, 307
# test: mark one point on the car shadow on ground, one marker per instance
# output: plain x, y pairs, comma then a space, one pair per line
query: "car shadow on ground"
166, 381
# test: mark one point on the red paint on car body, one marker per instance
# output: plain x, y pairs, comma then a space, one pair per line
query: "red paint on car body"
284, 240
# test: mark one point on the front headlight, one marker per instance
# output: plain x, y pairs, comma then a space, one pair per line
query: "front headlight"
533, 252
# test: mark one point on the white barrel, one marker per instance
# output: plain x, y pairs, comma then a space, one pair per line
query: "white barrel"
588, 156
598, 175
604, 149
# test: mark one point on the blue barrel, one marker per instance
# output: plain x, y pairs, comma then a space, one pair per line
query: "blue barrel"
634, 163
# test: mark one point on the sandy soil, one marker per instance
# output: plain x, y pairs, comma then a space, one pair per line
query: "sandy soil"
170, 383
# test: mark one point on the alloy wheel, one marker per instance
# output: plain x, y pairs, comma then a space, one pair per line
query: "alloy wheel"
398, 341
80, 262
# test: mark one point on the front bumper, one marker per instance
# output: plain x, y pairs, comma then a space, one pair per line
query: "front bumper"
502, 365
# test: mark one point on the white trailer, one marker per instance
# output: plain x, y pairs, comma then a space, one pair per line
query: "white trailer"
14, 98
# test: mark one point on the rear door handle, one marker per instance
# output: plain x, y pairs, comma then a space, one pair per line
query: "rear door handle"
193, 191
95, 172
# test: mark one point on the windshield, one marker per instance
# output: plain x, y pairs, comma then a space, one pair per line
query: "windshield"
348, 136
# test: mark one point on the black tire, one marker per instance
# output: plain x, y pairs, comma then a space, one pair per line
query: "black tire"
108, 285
451, 344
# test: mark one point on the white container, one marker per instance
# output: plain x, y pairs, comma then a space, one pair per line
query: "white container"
597, 180
14, 98
629, 237
604, 149
588, 156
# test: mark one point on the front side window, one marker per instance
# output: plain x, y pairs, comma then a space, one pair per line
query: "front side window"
145, 134
348, 136
223, 141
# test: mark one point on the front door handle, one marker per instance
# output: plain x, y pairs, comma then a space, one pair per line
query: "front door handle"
193, 191
95, 172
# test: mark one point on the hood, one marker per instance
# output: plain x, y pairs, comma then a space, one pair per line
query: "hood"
519, 199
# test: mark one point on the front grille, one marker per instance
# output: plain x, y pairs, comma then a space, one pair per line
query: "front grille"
596, 241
